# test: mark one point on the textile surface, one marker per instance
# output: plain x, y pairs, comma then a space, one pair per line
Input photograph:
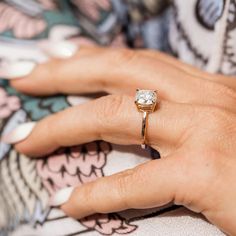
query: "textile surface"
206, 40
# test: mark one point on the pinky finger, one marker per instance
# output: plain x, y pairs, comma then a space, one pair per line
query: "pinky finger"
145, 186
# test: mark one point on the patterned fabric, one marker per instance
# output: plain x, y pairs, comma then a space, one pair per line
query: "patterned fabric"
206, 39
211, 46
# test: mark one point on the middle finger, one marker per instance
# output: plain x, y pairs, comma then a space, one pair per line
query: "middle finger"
119, 71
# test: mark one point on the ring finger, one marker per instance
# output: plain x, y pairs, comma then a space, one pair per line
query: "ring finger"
113, 118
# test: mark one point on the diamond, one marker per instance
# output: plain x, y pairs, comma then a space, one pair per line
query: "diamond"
146, 97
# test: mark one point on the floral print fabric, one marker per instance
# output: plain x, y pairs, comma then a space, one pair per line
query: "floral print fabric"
26, 185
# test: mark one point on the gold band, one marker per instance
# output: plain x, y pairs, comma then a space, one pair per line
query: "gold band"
144, 129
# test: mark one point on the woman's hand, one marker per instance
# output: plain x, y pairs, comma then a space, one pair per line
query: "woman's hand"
194, 129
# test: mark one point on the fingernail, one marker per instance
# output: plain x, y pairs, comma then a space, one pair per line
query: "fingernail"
19, 133
18, 69
61, 197
63, 49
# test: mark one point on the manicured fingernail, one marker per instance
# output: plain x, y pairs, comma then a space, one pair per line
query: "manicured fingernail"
19, 133
18, 69
63, 49
61, 197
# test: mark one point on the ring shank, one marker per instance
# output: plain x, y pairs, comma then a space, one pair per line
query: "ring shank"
144, 129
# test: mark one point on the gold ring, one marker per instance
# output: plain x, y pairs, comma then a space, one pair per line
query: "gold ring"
146, 101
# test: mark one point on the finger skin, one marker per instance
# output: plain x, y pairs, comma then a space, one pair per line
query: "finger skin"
173, 179
113, 118
119, 71
145, 186
72, 76
228, 81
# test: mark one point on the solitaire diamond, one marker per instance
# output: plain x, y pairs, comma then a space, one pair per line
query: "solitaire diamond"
146, 97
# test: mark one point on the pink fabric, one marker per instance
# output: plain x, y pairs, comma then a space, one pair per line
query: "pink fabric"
92, 7
8, 104
73, 167
108, 224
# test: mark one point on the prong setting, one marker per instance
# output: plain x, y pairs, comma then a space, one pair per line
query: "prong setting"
146, 100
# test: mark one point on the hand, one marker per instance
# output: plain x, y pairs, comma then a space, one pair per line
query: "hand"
194, 129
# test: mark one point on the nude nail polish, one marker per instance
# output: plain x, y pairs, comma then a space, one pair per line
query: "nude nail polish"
18, 69
62, 49
61, 197
19, 133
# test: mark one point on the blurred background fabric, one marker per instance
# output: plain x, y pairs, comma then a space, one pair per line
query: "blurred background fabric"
198, 32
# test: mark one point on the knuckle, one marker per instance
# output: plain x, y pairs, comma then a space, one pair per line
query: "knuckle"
224, 90
214, 87
52, 123
123, 181
216, 118
89, 194
219, 118
230, 92
111, 105
217, 125
52, 70
222, 93
109, 110
119, 60
122, 57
